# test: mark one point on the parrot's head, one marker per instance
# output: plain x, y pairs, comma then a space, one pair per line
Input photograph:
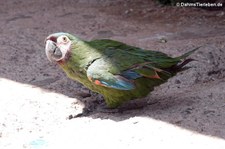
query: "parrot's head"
58, 46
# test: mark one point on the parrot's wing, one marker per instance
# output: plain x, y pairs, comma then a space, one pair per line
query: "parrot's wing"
99, 75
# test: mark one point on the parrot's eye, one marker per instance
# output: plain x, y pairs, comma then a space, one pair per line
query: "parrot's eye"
63, 39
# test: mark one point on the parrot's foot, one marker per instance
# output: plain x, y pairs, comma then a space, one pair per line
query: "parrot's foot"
125, 107
103, 108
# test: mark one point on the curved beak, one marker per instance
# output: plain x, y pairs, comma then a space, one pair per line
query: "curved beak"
52, 51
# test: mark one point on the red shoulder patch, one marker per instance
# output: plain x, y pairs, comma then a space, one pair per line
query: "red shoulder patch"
97, 82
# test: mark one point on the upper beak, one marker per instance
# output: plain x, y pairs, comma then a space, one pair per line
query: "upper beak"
52, 38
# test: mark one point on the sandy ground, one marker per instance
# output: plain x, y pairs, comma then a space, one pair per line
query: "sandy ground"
37, 98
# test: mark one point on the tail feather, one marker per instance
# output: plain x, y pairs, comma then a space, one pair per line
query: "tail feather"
184, 56
180, 66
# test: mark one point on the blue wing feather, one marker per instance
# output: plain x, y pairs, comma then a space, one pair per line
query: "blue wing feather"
119, 84
130, 74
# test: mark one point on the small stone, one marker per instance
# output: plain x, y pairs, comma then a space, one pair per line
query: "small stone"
135, 122
177, 82
208, 112
163, 40
70, 117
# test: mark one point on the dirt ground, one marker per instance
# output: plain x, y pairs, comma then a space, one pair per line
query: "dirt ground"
37, 98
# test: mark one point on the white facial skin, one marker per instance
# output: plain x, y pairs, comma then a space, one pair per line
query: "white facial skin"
63, 44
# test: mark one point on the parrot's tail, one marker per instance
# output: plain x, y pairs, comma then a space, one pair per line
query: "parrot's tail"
185, 55
181, 66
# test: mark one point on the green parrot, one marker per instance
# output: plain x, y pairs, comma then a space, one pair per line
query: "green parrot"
118, 71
